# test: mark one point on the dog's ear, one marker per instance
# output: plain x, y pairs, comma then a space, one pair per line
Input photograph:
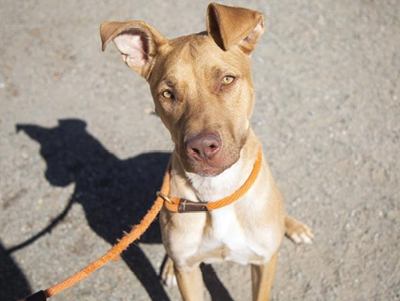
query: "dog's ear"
137, 41
230, 26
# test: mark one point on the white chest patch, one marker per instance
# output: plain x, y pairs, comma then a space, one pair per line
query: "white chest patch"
225, 232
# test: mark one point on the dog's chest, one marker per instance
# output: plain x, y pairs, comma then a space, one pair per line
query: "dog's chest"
226, 239
225, 236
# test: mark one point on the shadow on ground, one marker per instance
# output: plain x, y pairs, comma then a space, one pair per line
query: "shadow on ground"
13, 283
114, 194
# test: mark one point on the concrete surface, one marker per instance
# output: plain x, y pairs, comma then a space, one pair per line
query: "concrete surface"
81, 155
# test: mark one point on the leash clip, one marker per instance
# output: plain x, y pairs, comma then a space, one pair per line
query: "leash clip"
164, 197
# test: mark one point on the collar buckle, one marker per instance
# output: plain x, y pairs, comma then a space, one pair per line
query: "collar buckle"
164, 197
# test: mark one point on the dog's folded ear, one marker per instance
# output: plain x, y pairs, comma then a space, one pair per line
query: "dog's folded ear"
137, 41
230, 26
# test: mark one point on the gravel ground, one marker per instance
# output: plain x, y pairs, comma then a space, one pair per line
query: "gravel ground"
81, 155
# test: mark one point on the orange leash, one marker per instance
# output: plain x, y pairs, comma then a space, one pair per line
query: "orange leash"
171, 204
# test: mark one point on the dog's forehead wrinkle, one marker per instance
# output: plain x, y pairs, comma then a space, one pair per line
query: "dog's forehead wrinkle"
193, 50
170, 82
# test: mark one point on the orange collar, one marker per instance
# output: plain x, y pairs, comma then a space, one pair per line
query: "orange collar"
182, 205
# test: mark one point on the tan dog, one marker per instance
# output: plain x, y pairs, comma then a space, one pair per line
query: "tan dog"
203, 92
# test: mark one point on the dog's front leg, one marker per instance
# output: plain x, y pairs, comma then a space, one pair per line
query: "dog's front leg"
190, 283
262, 278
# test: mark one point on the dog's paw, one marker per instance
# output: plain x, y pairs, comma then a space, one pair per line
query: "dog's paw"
297, 231
168, 274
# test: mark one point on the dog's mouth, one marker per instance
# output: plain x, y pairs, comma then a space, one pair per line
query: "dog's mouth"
208, 168
210, 171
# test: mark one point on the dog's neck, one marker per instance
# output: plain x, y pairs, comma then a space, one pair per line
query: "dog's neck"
210, 189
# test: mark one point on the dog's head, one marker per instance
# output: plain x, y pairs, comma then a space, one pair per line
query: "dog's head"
201, 84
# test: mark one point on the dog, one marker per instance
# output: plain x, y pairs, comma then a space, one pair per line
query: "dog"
203, 93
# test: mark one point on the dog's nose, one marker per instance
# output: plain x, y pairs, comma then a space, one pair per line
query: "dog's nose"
203, 146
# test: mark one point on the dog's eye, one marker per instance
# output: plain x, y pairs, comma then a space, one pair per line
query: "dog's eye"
167, 94
227, 80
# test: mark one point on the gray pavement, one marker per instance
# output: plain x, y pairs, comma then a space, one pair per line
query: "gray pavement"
81, 155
